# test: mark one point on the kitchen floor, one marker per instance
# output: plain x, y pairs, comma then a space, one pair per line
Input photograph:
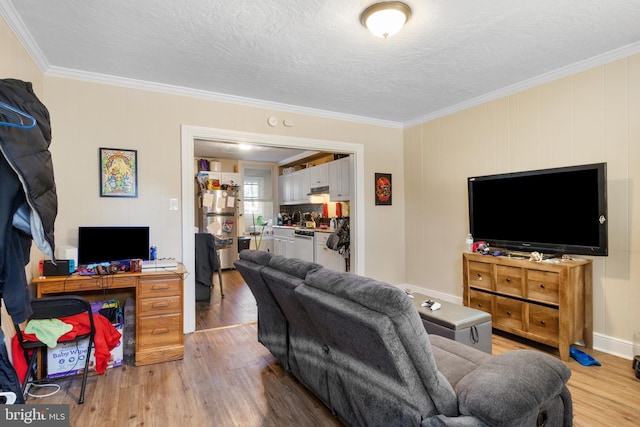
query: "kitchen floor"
237, 307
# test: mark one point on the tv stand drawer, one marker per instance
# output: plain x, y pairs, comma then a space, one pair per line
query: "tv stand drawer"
533, 299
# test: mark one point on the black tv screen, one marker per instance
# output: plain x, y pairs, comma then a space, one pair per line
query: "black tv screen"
105, 244
559, 210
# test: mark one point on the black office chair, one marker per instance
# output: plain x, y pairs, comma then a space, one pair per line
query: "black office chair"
50, 308
207, 261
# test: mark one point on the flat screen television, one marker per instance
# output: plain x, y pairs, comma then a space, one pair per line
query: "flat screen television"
105, 244
552, 211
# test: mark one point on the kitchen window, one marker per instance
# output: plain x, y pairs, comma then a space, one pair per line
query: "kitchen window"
257, 197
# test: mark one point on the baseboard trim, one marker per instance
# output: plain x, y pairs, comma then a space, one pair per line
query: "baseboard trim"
601, 342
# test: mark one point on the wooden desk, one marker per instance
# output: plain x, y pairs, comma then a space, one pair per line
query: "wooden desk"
159, 298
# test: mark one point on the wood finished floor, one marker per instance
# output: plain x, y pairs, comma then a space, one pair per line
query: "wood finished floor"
228, 379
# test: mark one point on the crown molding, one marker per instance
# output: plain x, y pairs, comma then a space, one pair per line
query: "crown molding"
16, 24
211, 96
574, 68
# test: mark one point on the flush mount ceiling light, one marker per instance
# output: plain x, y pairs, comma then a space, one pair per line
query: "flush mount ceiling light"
386, 18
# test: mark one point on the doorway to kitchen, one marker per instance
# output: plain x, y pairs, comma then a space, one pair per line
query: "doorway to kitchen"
192, 133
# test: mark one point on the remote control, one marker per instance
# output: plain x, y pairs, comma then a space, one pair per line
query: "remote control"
435, 306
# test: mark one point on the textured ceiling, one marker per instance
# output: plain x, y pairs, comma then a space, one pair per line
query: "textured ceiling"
314, 56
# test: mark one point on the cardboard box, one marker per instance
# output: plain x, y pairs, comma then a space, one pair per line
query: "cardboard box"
68, 359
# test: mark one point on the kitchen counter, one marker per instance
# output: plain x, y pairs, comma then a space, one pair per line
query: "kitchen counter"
297, 227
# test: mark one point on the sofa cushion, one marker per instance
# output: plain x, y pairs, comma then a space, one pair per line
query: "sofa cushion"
259, 257
272, 324
455, 360
512, 387
293, 266
388, 335
306, 354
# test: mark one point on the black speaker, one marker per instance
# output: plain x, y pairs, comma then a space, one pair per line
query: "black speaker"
60, 268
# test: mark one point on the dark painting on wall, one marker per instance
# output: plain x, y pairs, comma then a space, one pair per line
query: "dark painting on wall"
383, 188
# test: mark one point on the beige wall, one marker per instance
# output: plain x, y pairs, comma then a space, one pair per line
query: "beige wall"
86, 116
593, 116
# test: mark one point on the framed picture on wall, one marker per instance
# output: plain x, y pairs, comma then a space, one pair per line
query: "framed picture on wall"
383, 188
118, 172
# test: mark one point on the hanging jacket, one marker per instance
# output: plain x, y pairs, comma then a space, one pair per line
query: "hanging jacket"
28, 199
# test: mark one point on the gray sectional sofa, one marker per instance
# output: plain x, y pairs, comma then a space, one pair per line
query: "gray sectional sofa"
360, 346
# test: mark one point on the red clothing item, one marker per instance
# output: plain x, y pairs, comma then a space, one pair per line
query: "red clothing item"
19, 362
105, 340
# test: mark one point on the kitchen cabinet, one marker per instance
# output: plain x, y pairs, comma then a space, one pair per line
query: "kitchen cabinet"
294, 188
326, 257
284, 189
301, 186
340, 179
319, 175
548, 302
283, 242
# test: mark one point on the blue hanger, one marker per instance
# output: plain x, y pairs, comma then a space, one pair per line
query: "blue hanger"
9, 111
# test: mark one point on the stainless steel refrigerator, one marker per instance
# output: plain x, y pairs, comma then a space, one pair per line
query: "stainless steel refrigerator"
219, 216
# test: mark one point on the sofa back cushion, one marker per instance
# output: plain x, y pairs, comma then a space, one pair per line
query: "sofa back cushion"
307, 354
272, 324
380, 348
257, 257
293, 266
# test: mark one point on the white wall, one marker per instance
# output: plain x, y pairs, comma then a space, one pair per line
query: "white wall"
590, 117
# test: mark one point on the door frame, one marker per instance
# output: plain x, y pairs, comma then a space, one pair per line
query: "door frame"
188, 136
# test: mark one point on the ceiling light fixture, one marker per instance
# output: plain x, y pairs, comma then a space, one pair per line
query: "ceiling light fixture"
386, 18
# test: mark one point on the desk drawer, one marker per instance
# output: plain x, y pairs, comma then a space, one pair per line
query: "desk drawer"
158, 331
480, 301
480, 275
543, 286
162, 305
544, 322
86, 283
509, 313
509, 281
159, 287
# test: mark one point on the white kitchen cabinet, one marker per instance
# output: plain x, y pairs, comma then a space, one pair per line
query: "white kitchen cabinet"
294, 188
301, 186
283, 242
282, 189
340, 179
326, 257
319, 175
285, 189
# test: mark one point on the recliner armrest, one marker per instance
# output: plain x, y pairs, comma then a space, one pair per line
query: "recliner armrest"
513, 387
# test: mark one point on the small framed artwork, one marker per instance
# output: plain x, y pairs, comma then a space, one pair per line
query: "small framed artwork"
383, 188
118, 173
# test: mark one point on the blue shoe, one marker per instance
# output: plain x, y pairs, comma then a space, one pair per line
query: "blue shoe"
582, 357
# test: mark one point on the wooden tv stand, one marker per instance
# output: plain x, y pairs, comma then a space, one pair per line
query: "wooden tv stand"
159, 297
550, 302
